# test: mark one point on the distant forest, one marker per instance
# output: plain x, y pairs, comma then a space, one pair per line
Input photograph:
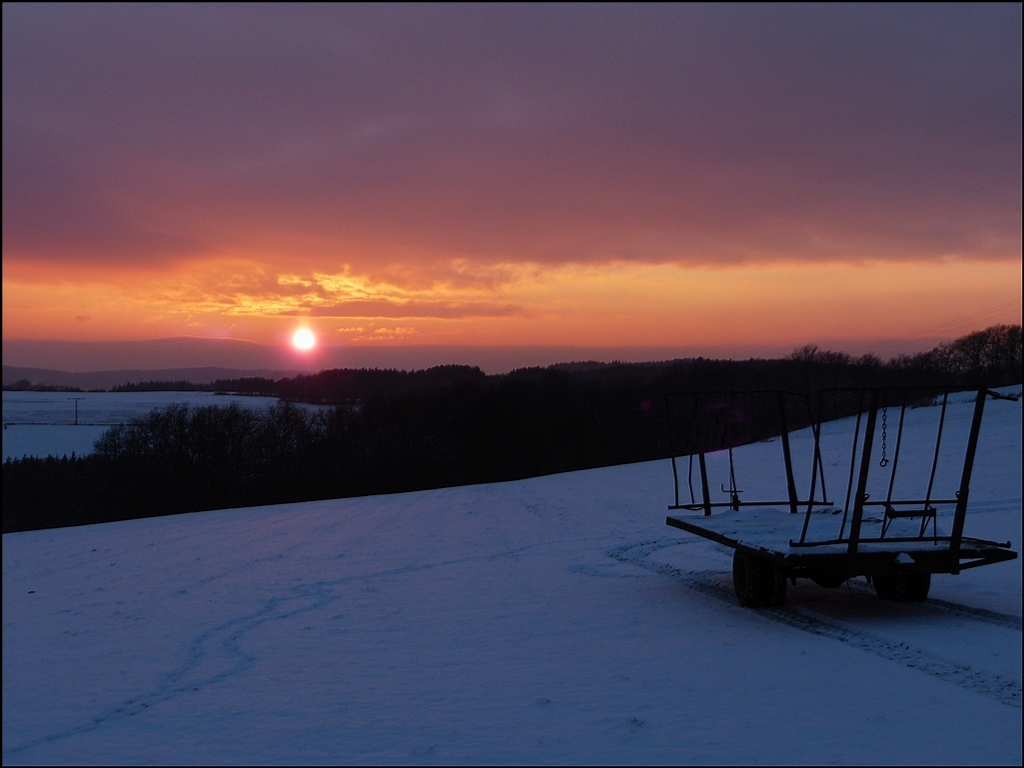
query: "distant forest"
24, 385
386, 431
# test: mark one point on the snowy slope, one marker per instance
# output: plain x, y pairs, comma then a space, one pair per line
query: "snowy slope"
556, 619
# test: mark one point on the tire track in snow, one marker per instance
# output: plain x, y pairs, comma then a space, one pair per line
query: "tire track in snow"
1004, 690
216, 654
944, 607
218, 647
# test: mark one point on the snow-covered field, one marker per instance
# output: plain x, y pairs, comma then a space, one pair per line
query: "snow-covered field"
43, 423
556, 619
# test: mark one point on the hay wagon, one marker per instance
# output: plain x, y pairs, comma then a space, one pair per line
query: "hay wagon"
896, 541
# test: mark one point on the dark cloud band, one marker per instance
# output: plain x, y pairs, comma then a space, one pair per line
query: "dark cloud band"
373, 136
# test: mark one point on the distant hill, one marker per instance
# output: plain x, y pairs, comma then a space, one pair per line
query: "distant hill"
108, 379
246, 356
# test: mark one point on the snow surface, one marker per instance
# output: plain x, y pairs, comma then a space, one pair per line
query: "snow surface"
43, 423
550, 620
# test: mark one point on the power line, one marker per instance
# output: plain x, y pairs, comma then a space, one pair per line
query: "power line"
945, 326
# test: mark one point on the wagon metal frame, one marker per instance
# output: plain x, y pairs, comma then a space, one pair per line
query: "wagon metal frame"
772, 546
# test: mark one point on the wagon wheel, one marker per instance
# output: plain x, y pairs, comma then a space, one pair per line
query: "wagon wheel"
913, 587
746, 579
773, 583
908, 587
885, 586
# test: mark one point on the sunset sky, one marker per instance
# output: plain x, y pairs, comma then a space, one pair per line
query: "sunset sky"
600, 176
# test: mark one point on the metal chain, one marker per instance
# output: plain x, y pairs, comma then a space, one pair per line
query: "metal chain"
884, 461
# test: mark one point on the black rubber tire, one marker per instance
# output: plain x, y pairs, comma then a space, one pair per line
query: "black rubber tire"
779, 593
908, 587
746, 579
885, 586
773, 583
828, 579
913, 587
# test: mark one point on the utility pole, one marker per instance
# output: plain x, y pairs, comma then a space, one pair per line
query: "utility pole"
76, 399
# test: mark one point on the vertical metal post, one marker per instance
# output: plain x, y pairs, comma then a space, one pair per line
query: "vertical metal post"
896, 453
965, 484
892, 472
816, 464
689, 479
814, 479
853, 464
810, 497
734, 499
706, 494
671, 448
862, 480
938, 442
790, 483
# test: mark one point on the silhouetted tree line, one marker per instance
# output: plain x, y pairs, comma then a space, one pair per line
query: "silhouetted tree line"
24, 385
160, 385
391, 431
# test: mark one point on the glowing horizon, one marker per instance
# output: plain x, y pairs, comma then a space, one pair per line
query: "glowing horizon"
611, 305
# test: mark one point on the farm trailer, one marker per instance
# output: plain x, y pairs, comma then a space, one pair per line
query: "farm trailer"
771, 545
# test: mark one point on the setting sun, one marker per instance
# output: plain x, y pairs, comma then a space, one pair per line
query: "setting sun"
303, 339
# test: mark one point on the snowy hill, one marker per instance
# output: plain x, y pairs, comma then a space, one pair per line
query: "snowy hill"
556, 619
